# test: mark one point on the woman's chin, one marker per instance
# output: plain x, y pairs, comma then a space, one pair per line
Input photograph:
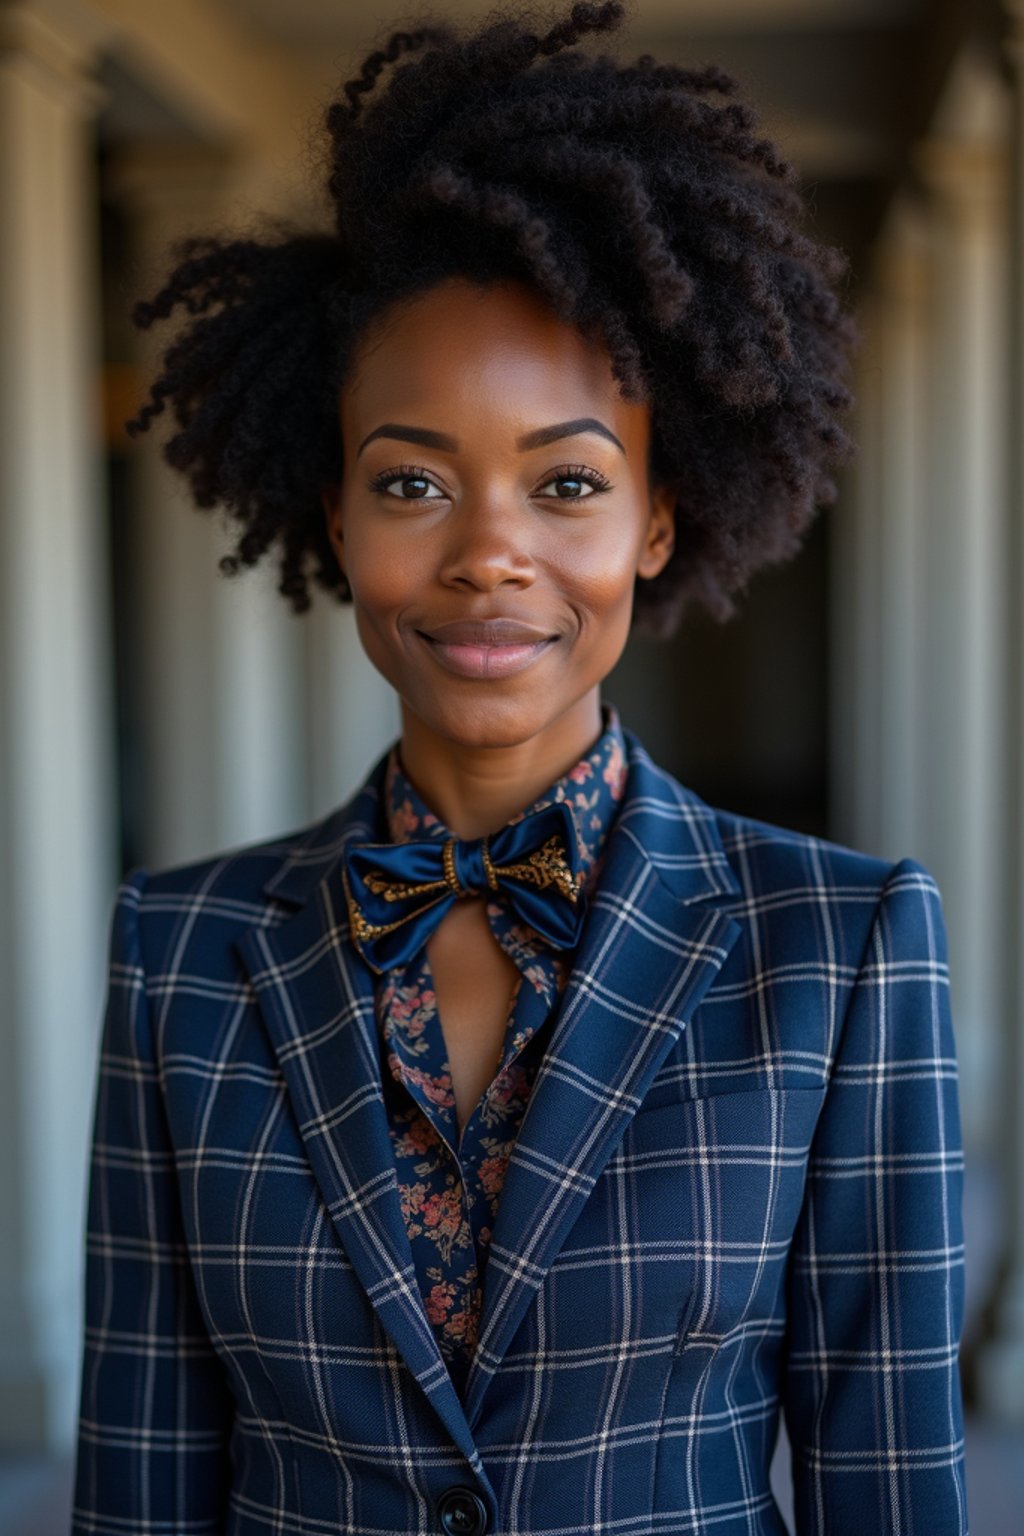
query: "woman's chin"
489, 721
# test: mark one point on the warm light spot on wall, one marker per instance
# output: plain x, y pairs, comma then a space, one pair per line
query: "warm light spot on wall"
121, 391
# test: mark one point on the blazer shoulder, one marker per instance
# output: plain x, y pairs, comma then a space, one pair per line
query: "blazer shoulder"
239, 870
812, 899
767, 857
188, 914
281, 868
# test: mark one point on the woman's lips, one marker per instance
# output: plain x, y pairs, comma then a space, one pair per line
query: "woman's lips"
485, 660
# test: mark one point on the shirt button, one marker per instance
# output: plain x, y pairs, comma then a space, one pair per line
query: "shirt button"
462, 1512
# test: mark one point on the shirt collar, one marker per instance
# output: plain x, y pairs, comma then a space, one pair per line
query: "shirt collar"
593, 787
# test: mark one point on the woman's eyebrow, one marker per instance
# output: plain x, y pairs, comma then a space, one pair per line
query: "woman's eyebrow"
538, 438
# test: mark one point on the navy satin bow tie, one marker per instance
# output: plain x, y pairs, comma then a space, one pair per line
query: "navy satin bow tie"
397, 893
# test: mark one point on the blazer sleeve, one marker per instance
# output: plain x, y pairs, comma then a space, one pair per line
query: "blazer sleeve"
155, 1406
875, 1281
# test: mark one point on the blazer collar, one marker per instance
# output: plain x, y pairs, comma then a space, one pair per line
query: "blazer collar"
668, 823
656, 936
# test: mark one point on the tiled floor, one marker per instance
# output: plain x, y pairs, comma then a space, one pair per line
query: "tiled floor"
35, 1496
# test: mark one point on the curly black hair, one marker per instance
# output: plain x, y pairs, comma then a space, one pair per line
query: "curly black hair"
646, 214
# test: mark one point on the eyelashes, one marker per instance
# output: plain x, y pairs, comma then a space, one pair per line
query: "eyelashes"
380, 482
580, 473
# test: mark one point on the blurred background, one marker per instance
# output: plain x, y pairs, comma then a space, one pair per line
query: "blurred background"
153, 711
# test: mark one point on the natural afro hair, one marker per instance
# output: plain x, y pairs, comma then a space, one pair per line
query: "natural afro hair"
646, 213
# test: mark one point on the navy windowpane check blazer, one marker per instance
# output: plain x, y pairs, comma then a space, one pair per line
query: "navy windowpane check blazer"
736, 1191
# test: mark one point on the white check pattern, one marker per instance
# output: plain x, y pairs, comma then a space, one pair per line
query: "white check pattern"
736, 1191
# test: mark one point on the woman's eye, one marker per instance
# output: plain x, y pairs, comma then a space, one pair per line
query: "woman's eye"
575, 482
418, 483
582, 484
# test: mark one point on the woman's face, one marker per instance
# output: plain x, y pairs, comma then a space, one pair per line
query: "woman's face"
492, 471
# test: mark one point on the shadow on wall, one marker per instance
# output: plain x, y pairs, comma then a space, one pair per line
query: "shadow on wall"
738, 711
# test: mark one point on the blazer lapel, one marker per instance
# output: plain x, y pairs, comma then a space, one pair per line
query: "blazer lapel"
654, 941
316, 995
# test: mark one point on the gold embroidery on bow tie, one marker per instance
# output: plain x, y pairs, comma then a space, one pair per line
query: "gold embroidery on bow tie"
400, 890
360, 925
547, 866
450, 875
492, 879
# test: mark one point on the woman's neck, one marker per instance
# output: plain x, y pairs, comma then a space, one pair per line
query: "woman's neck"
475, 790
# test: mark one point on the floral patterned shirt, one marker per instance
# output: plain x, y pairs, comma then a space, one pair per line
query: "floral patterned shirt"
450, 1184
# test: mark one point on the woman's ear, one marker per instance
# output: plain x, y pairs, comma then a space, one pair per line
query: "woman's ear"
330, 495
660, 537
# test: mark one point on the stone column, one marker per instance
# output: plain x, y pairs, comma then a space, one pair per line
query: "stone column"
58, 796
854, 733
219, 677
354, 713
901, 279
1000, 1373
960, 831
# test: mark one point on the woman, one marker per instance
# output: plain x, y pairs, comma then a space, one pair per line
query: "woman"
686, 1151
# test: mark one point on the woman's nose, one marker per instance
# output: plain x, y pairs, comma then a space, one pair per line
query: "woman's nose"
487, 543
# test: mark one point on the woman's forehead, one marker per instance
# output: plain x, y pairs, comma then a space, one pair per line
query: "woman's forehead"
494, 350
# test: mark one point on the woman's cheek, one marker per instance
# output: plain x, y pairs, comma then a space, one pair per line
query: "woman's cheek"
383, 567
382, 649
601, 572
